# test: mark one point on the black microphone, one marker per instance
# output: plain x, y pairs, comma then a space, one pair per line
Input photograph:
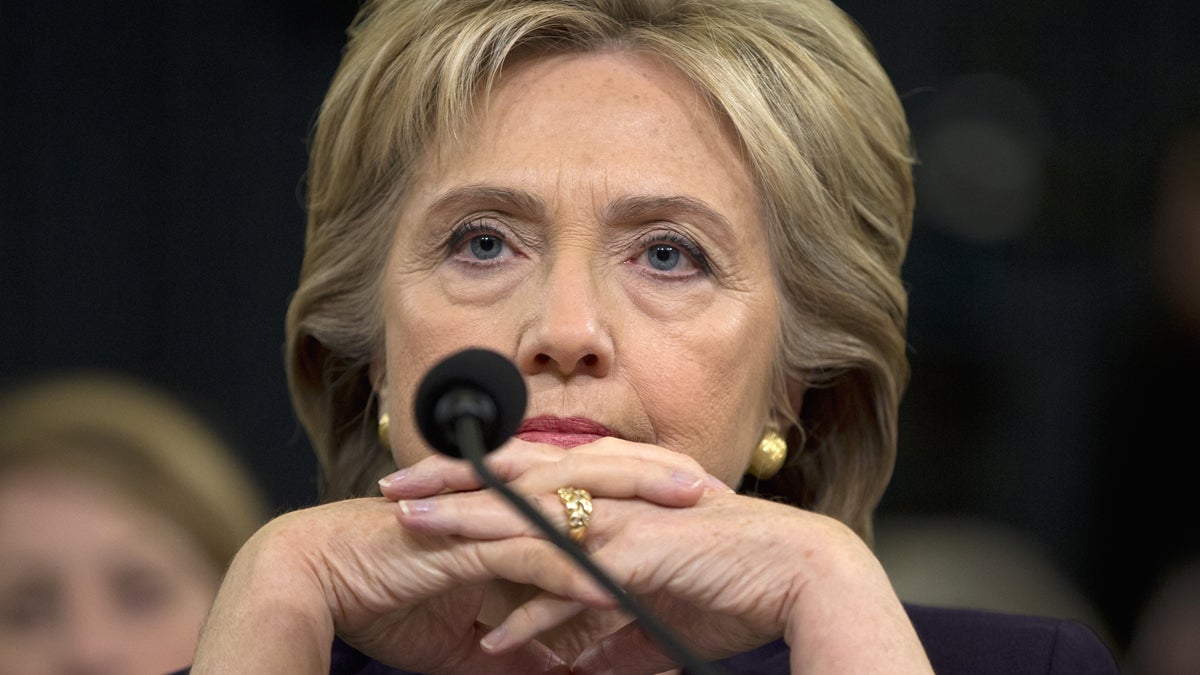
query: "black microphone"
470, 404
473, 384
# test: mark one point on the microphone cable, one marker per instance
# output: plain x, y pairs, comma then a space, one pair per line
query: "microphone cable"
456, 400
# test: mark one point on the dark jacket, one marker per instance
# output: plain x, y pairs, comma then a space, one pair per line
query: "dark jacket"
958, 642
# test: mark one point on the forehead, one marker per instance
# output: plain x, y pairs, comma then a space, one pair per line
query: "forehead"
635, 92
63, 513
631, 120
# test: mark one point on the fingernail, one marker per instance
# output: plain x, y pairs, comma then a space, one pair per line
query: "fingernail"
494, 639
684, 478
416, 507
393, 478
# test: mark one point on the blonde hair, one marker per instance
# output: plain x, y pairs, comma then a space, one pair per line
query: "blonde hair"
140, 441
822, 128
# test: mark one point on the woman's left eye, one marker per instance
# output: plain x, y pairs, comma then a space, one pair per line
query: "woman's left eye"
675, 256
663, 257
142, 591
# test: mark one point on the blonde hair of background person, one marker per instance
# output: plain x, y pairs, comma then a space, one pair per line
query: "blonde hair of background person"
142, 506
574, 138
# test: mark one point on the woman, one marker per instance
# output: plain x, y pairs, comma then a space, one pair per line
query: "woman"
119, 511
684, 223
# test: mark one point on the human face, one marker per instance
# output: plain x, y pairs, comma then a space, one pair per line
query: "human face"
92, 584
600, 227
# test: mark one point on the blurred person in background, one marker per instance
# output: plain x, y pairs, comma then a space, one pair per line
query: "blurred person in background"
1146, 425
1165, 637
959, 560
120, 508
1176, 233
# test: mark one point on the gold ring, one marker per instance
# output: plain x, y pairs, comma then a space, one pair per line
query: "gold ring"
578, 503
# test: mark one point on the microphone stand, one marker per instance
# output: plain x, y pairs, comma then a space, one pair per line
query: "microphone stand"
469, 436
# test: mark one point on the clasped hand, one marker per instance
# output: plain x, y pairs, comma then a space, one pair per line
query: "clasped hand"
450, 578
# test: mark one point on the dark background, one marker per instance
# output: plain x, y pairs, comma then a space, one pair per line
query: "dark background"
151, 163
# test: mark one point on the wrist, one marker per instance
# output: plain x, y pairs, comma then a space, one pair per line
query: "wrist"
270, 609
846, 617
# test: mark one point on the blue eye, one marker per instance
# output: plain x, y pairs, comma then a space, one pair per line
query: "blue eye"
663, 257
478, 242
486, 247
672, 255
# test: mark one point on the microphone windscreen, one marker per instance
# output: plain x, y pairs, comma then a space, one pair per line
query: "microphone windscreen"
475, 373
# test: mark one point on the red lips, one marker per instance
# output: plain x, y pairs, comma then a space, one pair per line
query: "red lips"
565, 432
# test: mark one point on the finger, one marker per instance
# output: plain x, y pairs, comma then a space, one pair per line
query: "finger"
623, 476
480, 515
438, 474
616, 447
516, 457
595, 465
531, 657
527, 621
428, 477
628, 650
535, 562
487, 515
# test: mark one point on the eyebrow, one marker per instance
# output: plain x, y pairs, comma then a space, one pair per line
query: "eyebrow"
626, 209
525, 203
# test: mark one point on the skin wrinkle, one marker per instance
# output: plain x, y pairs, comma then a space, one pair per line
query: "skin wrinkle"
607, 180
597, 332
621, 336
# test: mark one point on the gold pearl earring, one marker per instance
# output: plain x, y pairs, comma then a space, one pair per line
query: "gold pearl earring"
767, 458
384, 427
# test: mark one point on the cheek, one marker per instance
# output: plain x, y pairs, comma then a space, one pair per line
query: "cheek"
421, 327
410, 353
711, 400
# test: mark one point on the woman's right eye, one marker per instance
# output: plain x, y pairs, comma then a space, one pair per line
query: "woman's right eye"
486, 246
475, 242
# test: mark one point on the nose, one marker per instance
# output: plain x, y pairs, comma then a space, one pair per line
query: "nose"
93, 643
569, 334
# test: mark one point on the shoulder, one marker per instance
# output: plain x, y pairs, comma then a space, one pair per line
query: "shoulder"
979, 642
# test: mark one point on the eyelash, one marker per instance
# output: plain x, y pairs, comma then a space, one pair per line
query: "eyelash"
463, 233
681, 242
